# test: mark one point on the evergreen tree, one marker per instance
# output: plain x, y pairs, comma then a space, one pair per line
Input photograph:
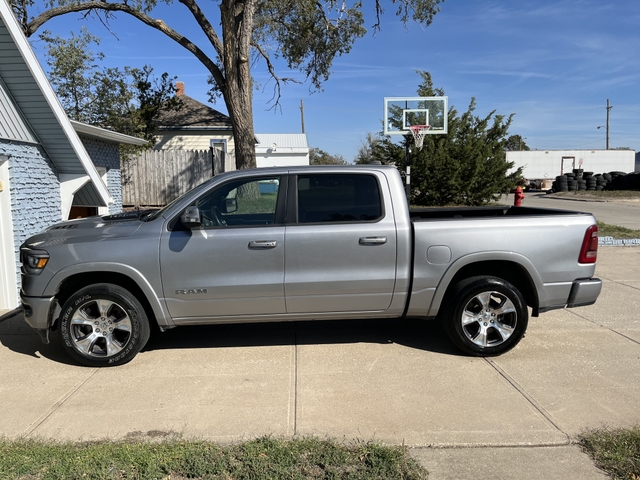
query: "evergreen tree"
320, 157
467, 166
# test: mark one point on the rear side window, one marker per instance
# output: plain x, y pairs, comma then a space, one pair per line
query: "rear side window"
338, 198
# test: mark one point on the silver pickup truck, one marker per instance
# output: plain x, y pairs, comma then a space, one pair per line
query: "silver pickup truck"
304, 243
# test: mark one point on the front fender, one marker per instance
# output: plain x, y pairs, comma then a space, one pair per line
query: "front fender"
162, 315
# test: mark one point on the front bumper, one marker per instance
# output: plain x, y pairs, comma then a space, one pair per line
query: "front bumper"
584, 292
38, 313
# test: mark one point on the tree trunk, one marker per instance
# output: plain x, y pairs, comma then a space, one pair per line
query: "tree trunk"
237, 25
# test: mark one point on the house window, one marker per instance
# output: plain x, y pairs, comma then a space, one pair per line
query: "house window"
219, 143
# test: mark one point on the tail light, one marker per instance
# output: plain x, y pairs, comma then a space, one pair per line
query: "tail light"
589, 250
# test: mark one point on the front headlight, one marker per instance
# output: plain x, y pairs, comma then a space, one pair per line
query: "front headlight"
33, 261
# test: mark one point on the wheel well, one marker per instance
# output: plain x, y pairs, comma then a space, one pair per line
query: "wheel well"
512, 272
74, 283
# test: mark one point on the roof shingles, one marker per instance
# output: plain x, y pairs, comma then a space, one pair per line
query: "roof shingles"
192, 114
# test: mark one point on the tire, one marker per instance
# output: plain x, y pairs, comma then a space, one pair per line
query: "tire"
103, 325
485, 316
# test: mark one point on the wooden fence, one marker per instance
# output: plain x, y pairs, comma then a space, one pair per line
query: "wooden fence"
156, 177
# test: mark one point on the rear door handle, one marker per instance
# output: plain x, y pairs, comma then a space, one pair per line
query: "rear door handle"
372, 240
262, 244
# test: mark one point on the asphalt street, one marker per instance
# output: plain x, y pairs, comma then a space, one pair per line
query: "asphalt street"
624, 213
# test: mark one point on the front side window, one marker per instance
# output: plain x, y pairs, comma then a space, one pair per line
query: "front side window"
247, 202
338, 198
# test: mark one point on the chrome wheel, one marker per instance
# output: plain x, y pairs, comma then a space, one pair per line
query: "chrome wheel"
489, 319
100, 328
485, 315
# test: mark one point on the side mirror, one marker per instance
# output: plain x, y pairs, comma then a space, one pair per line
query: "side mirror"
230, 205
191, 217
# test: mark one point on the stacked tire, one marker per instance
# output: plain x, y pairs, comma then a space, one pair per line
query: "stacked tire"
624, 181
601, 181
588, 181
561, 184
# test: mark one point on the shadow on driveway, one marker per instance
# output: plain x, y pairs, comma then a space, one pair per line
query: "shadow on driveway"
419, 334
19, 337
426, 335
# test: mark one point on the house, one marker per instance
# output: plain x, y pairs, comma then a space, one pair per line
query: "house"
195, 126
281, 150
47, 169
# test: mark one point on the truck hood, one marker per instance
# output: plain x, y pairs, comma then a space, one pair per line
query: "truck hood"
89, 229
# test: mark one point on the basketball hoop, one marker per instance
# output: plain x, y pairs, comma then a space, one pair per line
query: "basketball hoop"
419, 132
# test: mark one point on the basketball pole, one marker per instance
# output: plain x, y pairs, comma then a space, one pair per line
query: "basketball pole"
407, 153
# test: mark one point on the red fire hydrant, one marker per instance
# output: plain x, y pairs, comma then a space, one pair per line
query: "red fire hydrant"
518, 197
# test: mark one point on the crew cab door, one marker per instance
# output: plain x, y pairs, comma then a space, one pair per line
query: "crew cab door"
233, 263
341, 244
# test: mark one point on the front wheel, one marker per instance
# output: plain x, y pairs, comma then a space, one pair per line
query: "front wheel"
103, 325
486, 316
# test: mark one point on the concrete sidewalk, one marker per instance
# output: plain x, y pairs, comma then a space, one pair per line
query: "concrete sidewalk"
398, 382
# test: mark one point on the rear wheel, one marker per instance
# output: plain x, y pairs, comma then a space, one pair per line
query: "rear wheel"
486, 316
103, 325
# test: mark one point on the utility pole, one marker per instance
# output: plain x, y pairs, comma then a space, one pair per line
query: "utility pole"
609, 107
302, 113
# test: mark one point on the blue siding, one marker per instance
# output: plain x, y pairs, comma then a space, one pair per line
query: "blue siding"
35, 193
107, 155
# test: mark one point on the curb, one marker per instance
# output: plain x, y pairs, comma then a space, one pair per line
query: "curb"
618, 242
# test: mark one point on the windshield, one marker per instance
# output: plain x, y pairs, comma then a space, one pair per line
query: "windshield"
159, 213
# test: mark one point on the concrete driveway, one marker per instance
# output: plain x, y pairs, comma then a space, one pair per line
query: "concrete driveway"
399, 382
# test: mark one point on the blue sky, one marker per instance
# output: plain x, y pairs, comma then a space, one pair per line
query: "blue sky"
552, 63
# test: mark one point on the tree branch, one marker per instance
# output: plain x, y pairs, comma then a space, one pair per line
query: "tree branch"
159, 25
205, 25
327, 22
277, 93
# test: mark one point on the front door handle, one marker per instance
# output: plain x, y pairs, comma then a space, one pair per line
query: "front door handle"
262, 244
372, 240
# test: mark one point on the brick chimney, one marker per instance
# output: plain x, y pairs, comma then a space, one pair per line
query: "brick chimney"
179, 89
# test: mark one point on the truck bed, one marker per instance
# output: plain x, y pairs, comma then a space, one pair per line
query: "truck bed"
420, 214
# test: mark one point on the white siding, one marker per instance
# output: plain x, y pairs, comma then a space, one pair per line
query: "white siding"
541, 164
192, 140
281, 149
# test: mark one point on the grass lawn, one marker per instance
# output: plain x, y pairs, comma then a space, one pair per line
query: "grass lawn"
603, 194
264, 458
614, 231
617, 452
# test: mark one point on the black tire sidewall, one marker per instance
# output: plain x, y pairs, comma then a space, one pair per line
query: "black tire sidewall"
464, 292
139, 323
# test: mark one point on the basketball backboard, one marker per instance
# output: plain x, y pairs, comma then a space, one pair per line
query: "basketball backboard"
401, 113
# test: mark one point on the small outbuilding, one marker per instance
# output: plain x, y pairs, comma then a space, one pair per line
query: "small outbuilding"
281, 149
